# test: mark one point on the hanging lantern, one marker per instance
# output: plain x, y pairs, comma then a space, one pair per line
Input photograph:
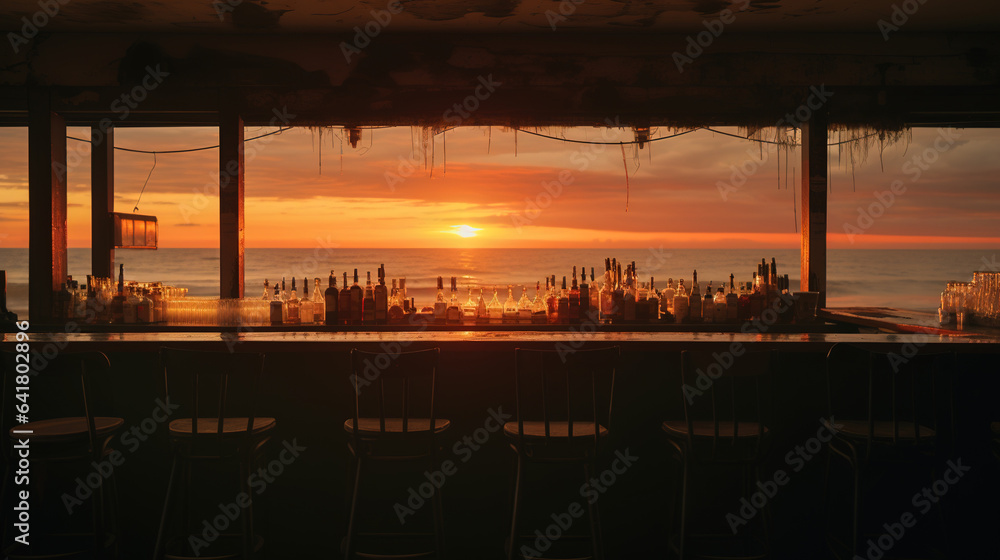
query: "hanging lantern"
134, 231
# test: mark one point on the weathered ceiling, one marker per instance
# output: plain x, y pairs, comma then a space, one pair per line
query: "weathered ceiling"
559, 61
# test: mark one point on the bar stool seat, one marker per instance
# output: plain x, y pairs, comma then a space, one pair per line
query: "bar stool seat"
73, 445
535, 430
372, 427
706, 429
67, 430
859, 429
182, 427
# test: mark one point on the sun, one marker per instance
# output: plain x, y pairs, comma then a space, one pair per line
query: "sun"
464, 230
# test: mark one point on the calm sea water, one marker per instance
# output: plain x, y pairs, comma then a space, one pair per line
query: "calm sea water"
911, 279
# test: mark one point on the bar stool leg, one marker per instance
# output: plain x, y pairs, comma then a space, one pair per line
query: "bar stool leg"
246, 514
158, 550
684, 493
439, 541
856, 520
349, 541
595, 518
514, 534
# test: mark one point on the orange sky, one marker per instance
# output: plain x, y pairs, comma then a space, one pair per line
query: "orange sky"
674, 194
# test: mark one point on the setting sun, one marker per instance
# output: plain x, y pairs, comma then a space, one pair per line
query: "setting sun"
464, 230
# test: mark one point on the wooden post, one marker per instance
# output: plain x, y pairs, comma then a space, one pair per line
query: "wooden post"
230, 203
46, 204
813, 208
102, 201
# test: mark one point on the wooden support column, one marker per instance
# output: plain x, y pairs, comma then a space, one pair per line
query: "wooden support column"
813, 209
46, 204
230, 203
102, 201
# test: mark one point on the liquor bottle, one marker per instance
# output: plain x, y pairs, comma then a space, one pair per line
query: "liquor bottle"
130, 312
283, 297
332, 297
396, 311
368, 303
144, 310
357, 301
551, 299
118, 302
305, 304
454, 313
667, 297
276, 314
595, 299
732, 302
381, 298
617, 294
494, 309
756, 298
524, 307
605, 296
319, 303
292, 316
744, 303
720, 305
344, 304
562, 304
157, 307
681, 303
538, 308
694, 300
653, 302
80, 305
469, 310
482, 314
574, 300
708, 305
267, 291
584, 313
440, 304
510, 307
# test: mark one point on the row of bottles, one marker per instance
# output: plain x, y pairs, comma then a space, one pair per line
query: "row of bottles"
103, 301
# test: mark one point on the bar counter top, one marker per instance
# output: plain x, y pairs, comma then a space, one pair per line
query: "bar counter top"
490, 340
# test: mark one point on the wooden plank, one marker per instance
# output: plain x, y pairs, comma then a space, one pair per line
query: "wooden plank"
813, 209
231, 221
46, 204
102, 201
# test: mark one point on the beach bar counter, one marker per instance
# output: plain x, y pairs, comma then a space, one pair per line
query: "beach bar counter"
610, 421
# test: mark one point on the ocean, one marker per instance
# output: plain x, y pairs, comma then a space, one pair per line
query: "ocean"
909, 279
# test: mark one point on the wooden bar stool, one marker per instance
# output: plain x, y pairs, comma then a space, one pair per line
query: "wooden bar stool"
63, 450
725, 424
893, 411
563, 416
394, 421
218, 426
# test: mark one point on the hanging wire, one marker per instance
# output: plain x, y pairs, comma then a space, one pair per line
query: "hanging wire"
625, 164
136, 208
